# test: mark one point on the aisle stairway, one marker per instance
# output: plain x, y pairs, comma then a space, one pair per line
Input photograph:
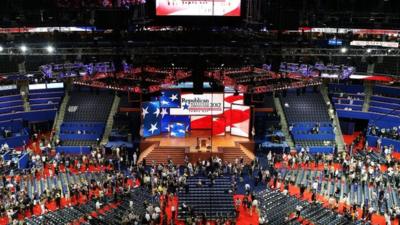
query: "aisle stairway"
110, 120
60, 115
338, 132
368, 90
24, 93
285, 129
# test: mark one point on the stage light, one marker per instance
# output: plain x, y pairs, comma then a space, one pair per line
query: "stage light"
389, 50
23, 48
50, 49
369, 50
1, 48
343, 50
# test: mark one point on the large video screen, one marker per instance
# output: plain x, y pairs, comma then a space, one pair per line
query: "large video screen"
240, 120
198, 7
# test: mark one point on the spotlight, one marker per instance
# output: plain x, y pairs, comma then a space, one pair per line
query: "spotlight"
369, 50
1, 48
389, 50
23, 48
50, 49
343, 50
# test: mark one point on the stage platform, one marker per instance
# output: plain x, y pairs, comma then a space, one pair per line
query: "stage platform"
229, 146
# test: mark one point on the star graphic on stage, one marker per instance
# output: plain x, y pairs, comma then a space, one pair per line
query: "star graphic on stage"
163, 112
186, 106
174, 97
153, 128
157, 112
145, 112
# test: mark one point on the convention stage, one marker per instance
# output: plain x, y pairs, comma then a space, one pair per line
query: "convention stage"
202, 136
196, 144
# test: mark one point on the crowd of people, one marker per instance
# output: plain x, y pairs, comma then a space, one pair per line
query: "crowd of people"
164, 181
392, 133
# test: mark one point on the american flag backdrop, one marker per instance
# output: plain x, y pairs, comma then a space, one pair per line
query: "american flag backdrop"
157, 118
151, 118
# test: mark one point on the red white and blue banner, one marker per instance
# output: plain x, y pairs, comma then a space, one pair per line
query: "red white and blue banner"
218, 112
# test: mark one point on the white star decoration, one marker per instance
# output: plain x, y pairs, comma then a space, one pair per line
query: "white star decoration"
145, 112
164, 102
163, 112
157, 112
174, 97
153, 128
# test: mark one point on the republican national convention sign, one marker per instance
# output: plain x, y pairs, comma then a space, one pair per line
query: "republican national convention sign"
204, 104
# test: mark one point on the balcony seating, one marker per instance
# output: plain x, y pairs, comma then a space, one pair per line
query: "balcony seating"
308, 107
88, 107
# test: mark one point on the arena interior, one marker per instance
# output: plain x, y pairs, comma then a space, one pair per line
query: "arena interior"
199, 112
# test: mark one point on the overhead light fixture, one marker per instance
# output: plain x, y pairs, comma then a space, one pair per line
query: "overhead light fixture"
1, 48
23, 48
369, 50
50, 49
343, 50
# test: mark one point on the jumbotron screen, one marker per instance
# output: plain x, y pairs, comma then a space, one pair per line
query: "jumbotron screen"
198, 7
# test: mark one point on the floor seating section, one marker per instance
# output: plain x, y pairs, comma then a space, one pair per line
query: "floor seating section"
213, 201
45, 98
303, 112
276, 208
353, 193
347, 97
111, 212
386, 100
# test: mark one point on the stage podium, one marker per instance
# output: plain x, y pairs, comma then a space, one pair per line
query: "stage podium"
203, 143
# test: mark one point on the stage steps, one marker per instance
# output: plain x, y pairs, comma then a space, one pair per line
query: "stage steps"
162, 154
233, 153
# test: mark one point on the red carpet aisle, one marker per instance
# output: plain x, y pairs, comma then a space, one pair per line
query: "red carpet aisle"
243, 219
244, 215
348, 139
